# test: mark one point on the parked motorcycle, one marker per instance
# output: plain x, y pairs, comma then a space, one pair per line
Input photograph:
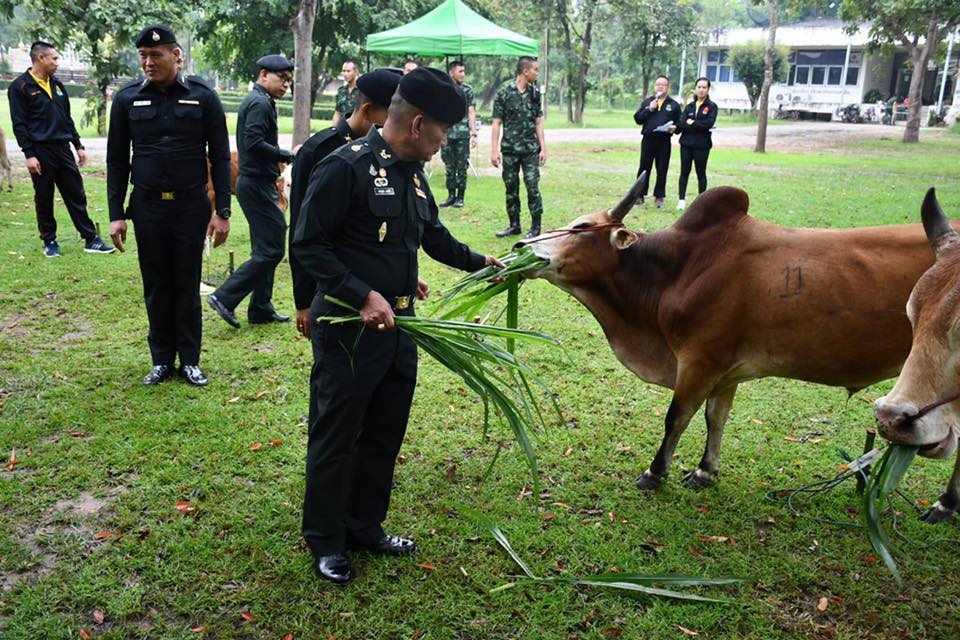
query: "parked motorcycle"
849, 113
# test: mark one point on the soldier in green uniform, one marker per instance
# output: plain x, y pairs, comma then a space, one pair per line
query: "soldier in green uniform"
517, 108
347, 94
463, 135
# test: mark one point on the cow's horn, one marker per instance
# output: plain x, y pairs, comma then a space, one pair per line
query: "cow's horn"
623, 207
940, 233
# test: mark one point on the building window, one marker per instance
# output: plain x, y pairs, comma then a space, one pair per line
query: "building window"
718, 69
823, 67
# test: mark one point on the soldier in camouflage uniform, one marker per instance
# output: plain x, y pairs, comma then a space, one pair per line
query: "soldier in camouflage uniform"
347, 93
518, 109
463, 135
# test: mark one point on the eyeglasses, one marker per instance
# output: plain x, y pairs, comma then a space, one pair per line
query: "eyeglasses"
286, 78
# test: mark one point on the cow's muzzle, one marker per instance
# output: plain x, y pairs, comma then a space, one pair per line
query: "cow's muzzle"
905, 424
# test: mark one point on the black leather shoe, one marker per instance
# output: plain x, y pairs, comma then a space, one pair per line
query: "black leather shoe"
158, 374
193, 375
533, 233
446, 203
458, 203
221, 309
335, 568
273, 317
389, 545
509, 231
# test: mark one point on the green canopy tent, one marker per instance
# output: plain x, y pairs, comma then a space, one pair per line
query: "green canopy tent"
452, 28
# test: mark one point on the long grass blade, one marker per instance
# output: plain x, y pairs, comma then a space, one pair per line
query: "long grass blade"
886, 475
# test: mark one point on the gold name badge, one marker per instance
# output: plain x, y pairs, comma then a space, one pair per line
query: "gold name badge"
383, 231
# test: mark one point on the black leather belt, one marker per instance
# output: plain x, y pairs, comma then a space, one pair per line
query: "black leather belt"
172, 196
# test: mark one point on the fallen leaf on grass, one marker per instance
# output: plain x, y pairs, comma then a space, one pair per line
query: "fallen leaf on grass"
822, 605
451, 473
256, 446
276, 443
233, 400
427, 565
716, 539
568, 453
103, 535
289, 636
98, 616
689, 632
870, 559
260, 394
703, 509
695, 551
84, 633
185, 507
346, 614
549, 516
757, 422
197, 629
246, 615
76, 434
13, 460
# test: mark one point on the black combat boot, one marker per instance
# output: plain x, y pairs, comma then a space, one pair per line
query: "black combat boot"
513, 229
451, 198
458, 203
534, 228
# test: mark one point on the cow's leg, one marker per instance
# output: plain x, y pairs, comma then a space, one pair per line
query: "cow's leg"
946, 507
718, 410
686, 401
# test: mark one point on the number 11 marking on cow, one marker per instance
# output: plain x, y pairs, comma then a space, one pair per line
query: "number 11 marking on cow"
797, 284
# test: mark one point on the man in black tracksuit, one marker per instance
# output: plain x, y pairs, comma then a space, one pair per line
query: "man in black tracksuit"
172, 122
659, 115
258, 156
376, 88
40, 112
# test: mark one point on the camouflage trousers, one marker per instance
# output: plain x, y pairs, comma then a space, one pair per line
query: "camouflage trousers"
456, 155
530, 163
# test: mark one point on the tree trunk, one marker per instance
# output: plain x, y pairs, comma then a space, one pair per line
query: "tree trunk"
584, 63
761, 145
919, 56
102, 85
302, 27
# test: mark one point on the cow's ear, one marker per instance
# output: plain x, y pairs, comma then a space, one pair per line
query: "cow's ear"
623, 238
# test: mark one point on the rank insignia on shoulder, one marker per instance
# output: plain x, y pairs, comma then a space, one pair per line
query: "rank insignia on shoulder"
356, 147
383, 231
416, 180
385, 155
420, 192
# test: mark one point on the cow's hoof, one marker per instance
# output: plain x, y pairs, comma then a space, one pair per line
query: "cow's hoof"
649, 481
698, 479
937, 513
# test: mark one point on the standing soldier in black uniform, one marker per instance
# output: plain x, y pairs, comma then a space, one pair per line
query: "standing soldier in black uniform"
659, 115
257, 161
456, 153
173, 122
518, 108
40, 113
347, 93
367, 211
376, 89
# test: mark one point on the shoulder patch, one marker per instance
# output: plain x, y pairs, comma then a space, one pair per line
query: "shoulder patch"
200, 81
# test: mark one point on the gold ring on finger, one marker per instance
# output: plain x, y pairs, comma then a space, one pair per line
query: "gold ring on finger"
381, 327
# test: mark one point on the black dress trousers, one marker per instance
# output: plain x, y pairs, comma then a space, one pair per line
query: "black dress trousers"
59, 169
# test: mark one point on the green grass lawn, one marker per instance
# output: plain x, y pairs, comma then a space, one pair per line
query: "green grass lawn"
88, 519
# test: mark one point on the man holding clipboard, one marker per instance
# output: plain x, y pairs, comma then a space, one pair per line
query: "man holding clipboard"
659, 116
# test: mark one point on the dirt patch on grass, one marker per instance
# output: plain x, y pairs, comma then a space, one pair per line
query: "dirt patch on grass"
70, 523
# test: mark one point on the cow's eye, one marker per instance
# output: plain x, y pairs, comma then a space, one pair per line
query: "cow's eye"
582, 225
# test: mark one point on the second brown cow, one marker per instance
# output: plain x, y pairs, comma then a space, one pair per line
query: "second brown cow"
720, 298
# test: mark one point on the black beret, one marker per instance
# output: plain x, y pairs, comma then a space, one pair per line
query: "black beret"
154, 35
433, 92
380, 84
275, 62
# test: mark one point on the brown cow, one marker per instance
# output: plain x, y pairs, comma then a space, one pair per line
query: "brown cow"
720, 298
922, 408
234, 172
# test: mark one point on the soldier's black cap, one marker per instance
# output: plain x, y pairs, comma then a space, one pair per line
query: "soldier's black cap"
433, 92
275, 63
380, 84
155, 34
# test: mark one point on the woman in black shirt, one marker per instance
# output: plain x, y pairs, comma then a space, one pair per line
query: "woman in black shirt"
695, 124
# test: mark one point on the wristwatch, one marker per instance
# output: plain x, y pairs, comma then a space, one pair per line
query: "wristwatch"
224, 212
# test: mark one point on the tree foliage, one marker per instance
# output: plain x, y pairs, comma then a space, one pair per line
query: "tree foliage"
918, 25
746, 60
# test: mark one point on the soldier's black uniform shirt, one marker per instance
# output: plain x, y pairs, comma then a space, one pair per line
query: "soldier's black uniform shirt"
170, 131
669, 111
364, 217
37, 117
318, 147
257, 150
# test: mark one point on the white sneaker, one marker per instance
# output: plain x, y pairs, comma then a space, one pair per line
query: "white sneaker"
681, 205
